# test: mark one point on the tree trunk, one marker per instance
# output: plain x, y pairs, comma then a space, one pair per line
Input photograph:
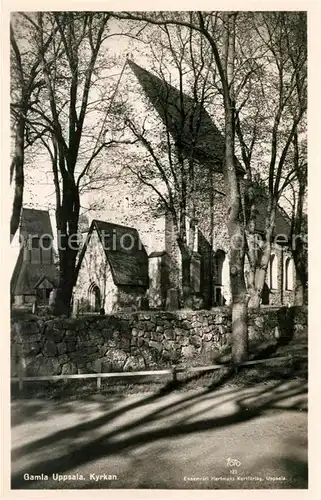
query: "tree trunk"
19, 176
264, 259
253, 253
67, 217
235, 220
62, 305
239, 331
255, 299
299, 294
239, 298
301, 288
299, 251
260, 277
237, 279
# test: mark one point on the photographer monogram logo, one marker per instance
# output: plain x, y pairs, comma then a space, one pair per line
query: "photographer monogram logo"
233, 464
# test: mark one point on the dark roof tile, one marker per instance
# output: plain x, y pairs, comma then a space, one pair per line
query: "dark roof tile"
31, 274
25, 274
124, 251
35, 222
173, 107
282, 221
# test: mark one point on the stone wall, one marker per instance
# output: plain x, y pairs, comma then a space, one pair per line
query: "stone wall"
136, 341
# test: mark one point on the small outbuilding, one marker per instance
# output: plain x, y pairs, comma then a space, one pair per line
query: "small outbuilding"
35, 274
112, 270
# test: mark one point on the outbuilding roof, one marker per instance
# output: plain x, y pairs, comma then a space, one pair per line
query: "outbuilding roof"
26, 275
124, 251
35, 222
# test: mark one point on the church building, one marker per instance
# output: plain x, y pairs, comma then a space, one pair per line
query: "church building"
147, 277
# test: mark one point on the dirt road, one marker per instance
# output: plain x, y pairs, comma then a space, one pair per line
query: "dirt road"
213, 438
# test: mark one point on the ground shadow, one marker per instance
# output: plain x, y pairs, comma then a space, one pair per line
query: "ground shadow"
138, 431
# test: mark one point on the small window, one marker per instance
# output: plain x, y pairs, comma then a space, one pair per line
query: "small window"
35, 241
43, 295
272, 273
289, 272
46, 242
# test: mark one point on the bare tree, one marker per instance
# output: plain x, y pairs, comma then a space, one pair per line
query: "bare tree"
172, 173
70, 118
270, 115
298, 236
211, 26
26, 84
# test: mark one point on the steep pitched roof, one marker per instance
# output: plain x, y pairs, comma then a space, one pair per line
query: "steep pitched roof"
172, 106
35, 222
27, 276
16, 271
282, 221
124, 251
210, 144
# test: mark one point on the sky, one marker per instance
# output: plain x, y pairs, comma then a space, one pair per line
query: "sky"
39, 190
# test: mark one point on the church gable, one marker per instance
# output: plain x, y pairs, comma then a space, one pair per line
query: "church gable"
44, 283
122, 249
94, 280
112, 269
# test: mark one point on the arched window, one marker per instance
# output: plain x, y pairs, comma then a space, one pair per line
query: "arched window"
272, 272
94, 297
288, 273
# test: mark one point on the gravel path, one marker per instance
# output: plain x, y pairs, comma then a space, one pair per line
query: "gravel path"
236, 438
